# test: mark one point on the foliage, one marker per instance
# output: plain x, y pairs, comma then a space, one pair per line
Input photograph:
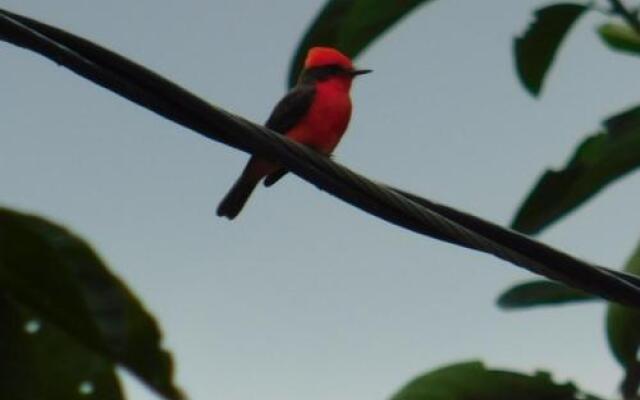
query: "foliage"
600, 159
536, 49
66, 322
472, 380
61, 306
542, 292
351, 26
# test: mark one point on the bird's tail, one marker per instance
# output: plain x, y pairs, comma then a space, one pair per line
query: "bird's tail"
237, 197
239, 193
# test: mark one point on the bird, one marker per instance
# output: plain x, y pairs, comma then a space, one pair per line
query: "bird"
315, 113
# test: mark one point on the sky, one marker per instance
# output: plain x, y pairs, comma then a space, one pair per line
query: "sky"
304, 295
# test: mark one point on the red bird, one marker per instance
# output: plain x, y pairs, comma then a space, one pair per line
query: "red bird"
315, 112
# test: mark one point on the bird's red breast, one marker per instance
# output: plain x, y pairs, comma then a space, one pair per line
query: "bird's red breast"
327, 119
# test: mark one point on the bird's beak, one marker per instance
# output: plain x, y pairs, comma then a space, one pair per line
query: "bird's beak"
356, 72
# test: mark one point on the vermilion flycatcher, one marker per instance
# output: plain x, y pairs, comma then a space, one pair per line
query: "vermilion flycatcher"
315, 112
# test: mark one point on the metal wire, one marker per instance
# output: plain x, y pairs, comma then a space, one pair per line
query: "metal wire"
415, 213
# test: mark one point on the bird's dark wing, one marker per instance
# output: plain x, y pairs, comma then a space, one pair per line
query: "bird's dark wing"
290, 110
286, 114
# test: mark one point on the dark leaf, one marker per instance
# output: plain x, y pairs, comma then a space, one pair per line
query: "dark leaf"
59, 277
473, 381
598, 161
535, 50
16, 362
541, 293
620, 37
350, 25
38, 361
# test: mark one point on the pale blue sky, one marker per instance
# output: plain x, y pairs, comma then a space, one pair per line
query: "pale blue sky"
304, 296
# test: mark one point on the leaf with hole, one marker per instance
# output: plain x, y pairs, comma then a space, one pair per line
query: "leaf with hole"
57, 276
39, 361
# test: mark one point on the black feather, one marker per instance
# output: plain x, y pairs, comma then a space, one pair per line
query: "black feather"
291, 109
286, 114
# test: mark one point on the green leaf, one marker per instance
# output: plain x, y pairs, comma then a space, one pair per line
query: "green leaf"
622, 331
620, 37
59, 277
350, 26
541, 293
535, 50
473, 381
599, 160
38, 361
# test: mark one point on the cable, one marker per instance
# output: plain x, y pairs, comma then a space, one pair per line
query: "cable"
417, 214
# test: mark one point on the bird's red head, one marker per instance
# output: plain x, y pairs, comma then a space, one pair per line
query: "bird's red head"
326, 64
322, 56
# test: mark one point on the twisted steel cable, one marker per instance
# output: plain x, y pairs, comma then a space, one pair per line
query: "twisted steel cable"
410, 211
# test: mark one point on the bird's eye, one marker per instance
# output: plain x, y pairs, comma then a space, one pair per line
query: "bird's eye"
325, 72
336, 70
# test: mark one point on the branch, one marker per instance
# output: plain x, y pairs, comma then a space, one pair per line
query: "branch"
412, 212
631, 18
